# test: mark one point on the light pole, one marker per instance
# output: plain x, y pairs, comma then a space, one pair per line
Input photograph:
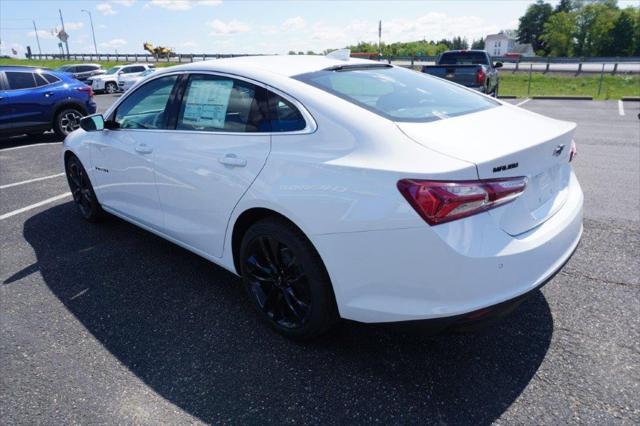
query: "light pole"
93, 33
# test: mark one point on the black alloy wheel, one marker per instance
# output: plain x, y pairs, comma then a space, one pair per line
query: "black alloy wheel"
277, 282
82, 191
286, 280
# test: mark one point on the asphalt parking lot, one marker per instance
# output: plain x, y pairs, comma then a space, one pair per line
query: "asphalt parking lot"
110, 324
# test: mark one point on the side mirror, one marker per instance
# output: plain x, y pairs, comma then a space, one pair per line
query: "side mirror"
92, 123
120, 72
498, 65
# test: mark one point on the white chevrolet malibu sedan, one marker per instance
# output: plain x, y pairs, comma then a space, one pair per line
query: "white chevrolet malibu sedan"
338, 188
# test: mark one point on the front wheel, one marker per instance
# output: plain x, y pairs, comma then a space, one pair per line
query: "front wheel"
286, 280
111, 88
82, 190
66, 121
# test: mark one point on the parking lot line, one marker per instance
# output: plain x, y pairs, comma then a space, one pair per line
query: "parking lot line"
9, 185
33, 206
29, 146
620, 107
523, 102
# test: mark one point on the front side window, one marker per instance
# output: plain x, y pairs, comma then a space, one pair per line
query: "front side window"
20, 80
145, 108
113, 70
397, 93
285, 116
216, 103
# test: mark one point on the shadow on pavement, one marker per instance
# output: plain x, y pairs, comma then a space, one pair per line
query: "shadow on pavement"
23, 140
182, 325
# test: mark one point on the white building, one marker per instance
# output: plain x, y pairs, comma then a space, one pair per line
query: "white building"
498, 44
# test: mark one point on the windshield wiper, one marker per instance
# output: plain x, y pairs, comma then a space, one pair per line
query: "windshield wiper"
351, 67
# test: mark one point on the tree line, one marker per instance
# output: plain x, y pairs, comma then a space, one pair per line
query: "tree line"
581, 28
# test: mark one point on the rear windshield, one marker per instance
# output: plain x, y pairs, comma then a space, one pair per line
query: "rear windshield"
399, 94
463, 58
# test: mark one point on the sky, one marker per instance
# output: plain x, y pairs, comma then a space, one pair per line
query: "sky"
248, 26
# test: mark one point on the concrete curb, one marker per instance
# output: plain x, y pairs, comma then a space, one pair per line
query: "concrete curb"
573, 98
631, 98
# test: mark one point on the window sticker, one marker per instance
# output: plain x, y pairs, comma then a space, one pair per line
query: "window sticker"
207, 103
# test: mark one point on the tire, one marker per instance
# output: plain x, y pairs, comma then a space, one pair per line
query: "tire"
82, 190
66, 121
286, 280
110, 88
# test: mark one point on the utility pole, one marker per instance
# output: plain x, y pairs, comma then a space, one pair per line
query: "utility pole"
380, 38
95, 46
35, 30
66, 41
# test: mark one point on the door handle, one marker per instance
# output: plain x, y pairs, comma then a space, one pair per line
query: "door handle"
233, 161
143, 148
47, 94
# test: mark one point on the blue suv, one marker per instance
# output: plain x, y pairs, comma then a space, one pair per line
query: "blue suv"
34, 100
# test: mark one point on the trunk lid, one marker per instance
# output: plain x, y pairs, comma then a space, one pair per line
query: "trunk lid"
504, 142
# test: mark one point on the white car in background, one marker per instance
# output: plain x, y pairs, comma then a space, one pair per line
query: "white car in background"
338, 188
108, 82
126, 81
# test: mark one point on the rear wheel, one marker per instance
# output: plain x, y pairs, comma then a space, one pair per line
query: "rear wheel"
66, 121
286, 280
111, 87
82, 190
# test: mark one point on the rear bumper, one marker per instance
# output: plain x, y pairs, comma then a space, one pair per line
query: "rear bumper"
448, 270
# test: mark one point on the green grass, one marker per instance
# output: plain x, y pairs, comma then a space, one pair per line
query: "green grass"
613, 86
56, 63
514, 84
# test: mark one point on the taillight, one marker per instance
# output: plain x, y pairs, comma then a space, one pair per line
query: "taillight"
480, 76
573, 152
439, 202
87, 89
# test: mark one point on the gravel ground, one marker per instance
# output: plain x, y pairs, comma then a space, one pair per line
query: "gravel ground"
110, 324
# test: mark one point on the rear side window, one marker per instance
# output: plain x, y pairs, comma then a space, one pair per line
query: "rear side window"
216, 103
285, 117
397, 93
20, 80
40, 80
50, 77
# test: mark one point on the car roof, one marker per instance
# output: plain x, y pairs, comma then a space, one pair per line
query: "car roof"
284, 65
80, 64
22, 68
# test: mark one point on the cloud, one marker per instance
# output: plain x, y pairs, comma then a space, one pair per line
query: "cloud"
105, 9
41, 34
126, 3
227, 28
114, 43
181, 4
296, 23
71, 26
188, 44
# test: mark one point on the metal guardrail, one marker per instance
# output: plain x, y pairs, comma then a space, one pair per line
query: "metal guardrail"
613, 65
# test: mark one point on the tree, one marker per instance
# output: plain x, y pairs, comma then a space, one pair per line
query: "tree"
478, 44
291, 52
558, 34
623, 33
532, 23
459, 43
565, 6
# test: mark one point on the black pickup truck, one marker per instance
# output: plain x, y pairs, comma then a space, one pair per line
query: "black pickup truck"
471, 68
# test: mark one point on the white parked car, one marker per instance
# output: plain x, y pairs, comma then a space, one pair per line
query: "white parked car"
338, 188
108, 82
127, 81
